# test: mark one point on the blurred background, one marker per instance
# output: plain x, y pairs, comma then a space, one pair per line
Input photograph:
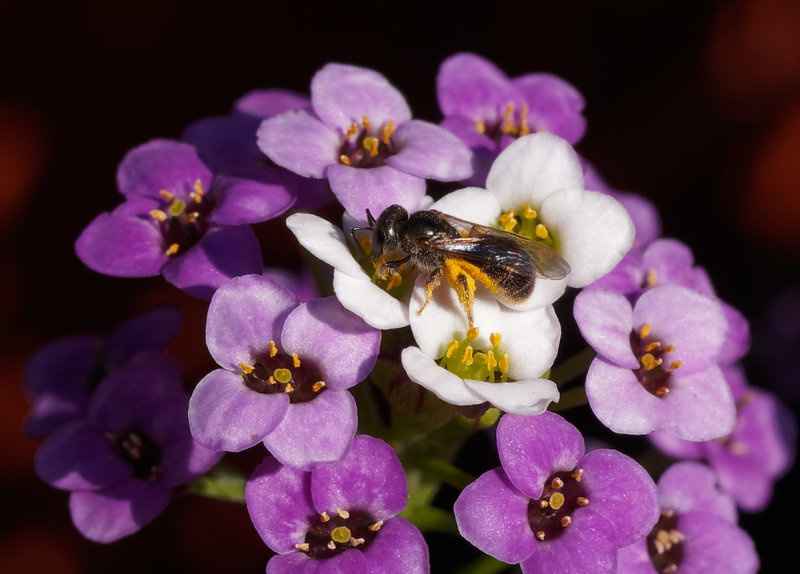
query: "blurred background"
695, 105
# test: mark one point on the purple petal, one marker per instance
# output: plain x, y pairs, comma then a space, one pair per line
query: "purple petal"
241, 201
370, 478
677, 447
225, 142
315, 432
348, 562
738, 342
66, 362
605, 319
473, 88
553, 105
699, 406
78, 457
531, 448
359, 189
271, 102
339, 342
670, 261
244, 315
161, 165
153, 329
493, 516
342, 95
225, 414
399, 548
622, 491
693, 487
223, 253
51, 410
279, 501
634, 559
429, 151
111, 513
300, 142
712, 544
644, 214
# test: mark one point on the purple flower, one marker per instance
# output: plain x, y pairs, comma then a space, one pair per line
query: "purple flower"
61, 376
697, 531
285, 372
122, 460
552, 508
181, 221
227, 144
488, 110
359, 135
758, 451
657, 362
340, 518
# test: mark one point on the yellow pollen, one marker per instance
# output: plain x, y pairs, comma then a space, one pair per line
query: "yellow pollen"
193, 216
508, 119
577, 475
472, 333
197, 194
556, 484
387, 131
324, 517
523, 121
649, 362
304, 547
271, 380
494, 339
288, 389
674, 365
467, 357
375, 526
566, 521
651, 278
480, 127
273, 350
529, 213
540, 535
246, 369
365, 121
295, 361
167, 195
344, 159
502, 364
491, 362
341, 534
541, 231
661, 391
543, 504
356, 541
172, 249
395, 280
582, 501
645, 330
342, 513
451, 350
317, 387
371, 144
669, 348
652, 346
508, 220
556, 501
282, 375
351, 131
158, 215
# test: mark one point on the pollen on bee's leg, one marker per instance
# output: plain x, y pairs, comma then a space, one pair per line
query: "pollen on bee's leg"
395, 280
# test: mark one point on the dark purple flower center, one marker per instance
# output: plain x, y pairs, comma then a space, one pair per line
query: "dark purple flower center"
140, 451
664, 544
654, 373
276, 372
332, 535
183, 222
364, 146
514, 123
552, 512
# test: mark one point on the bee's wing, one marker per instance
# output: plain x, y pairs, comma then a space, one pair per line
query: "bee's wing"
481, 244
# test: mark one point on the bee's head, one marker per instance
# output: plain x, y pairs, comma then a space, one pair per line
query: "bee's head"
387, 230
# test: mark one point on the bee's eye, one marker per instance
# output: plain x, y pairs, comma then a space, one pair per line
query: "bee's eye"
378, 241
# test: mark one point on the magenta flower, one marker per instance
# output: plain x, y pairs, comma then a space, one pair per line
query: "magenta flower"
657, 362
121, 461
340, 518
550, 507
285, 372
758, 451
697, 531
359, 135
61, 376
488, 110
180, 221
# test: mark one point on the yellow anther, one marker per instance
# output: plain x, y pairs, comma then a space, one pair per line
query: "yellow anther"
502, 364
674, 365
529, 213
556, 500
172, 249
669, 348
303, 547
508, 220
341, 534
271, 380
365, 121
158, 215
451, 350
295, 361
273, 350
543, 504
344, 159
351, 131
480, 127
193, 216
661, 391
577, 475
523, 121
495, 339
541, 231
375, 526
288, 389
343, 514
645, 330
508, 119
331, 545
649, 362
582, 501
540, 535
566, 521
467, 357
317, 387
371, 143
197, 194
472, 333
395, 280
246, 369
491, 362
651, 278
324, 517
556, 484
387, 131
356, 542
652, 346
167, 195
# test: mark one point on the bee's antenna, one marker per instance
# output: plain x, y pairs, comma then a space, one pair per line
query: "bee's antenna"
370, 219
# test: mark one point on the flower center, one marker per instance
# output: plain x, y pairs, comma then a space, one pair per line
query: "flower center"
140, 451
526, 222
514, 123
333, 535
664, 544
276, 372
552, 512
463, 360
654, 373
367, 145
394, 282
182, 222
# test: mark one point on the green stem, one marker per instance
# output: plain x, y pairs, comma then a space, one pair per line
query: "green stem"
574, 366
486, 565
222, 482
574, 397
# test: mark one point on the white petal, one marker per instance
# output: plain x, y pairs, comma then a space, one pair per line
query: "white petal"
532, 168
472, 204
361, 296
325, 241
520, 397
424, 371
593, 232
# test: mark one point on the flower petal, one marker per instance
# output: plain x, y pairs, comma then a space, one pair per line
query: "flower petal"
374, 188
325, 241
162, 164
348, 562
712, 544
376, 306
300, 142
241, 201
699, 406
153, 329
554, 105
429, 151
605, 319
472, 87
522, 397
471, 204
690, 486
424, 371
399, 548
270, 102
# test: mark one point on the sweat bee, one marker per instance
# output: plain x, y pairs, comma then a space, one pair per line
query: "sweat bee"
460, 252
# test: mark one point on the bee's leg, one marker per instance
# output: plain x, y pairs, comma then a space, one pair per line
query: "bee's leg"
463, 284
431, 283
388, 268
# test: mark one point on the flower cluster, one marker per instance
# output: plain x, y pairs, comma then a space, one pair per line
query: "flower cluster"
437, 318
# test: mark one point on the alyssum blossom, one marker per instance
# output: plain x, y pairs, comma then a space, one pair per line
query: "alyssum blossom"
550, 507
285, 371
122, 459
341, 517
360, 136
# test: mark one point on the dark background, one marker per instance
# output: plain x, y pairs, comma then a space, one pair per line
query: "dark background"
697, 108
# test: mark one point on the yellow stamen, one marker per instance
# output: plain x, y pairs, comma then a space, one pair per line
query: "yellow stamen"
246, 369
540, 535
197, 194
566, 521
356, 542
543, 504
529, 213
167, 195
317, 387
331, 545
351, 131
159, 215
343, 513
271, 380
541, 231
344, 159
480, 127
288, 389
644, 331
324, 517
651, 279
508, 220
674, 365
661, 391
491, 362
172, 249
502, 364
669, 348
582, 501
556, 484
523, 121
652, 346
508, 119
467, 357
365, 121
304, 547
494, 339
387, 131
375, 526
649, 362
371, 143
273, 350
451, 350
295, 361
577, 475
472, 333
193, 216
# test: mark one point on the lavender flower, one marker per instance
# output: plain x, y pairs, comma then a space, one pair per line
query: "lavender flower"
180, 221
285, 373
697, 531
338, 518
488, 110
121, 461
359, 135
61, 376
552, 508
